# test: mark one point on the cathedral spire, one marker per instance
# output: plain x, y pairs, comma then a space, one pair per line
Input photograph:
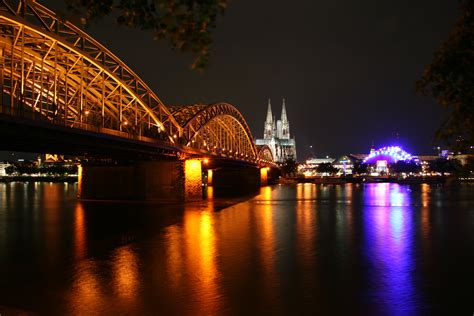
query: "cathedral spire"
269, 113
283, 112
285, 124
268, 132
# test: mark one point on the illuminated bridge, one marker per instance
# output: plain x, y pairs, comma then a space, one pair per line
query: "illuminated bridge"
63, 92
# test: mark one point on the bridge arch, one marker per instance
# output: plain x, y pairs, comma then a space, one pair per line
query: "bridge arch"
53, 70
218, 128
265, 153
50, 70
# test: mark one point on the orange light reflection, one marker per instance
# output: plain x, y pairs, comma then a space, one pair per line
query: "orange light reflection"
125, 267
192, 250
86, 297
79, 232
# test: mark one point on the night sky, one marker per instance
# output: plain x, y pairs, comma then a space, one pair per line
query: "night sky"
346, 68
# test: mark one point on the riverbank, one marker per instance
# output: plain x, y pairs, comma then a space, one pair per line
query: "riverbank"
69, 179
408, 180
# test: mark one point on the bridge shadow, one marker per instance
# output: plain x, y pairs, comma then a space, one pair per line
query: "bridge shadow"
110, 224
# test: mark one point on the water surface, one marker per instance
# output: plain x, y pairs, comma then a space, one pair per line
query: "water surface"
313, 249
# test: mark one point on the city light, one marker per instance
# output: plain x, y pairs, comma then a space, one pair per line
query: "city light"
391, 153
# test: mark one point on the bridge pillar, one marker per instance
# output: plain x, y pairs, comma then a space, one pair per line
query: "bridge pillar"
210, 175
192, 180
163, 181
264, 176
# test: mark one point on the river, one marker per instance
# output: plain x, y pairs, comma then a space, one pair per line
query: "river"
354, 249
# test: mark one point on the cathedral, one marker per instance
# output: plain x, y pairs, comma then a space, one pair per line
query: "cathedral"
276, 135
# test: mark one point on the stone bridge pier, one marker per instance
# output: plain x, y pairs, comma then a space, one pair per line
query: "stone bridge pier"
168, 181
161, 180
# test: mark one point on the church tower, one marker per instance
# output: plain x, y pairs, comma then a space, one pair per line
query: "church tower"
276, 135
285, 124
268, 132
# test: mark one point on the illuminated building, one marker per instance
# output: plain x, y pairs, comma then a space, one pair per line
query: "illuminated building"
3, 166
276, 135
345, 164
391, 154
309, 168
381, 158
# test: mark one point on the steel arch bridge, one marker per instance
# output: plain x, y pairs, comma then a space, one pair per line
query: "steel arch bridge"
50, 70
265, 153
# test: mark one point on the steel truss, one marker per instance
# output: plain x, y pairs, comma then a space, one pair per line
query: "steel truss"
265, 153
52, 70
217, 128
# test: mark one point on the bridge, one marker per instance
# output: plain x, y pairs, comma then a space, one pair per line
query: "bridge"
63, 92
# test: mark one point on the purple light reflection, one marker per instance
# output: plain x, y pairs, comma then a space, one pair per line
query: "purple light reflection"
388, 225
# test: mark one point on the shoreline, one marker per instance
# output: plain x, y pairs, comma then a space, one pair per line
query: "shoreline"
362, 180
8, 179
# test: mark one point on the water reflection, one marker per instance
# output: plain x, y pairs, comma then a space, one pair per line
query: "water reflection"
191, 259
125, 274
86, 296
307, 234
389, 247
305, 191
80, 232
293, 249
265, 221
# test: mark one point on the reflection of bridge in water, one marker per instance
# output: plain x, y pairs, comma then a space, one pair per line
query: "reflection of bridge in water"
63, 92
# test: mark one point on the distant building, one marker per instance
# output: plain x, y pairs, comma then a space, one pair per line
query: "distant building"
345, 164
3, 167
309, 168
317, 161
276, 135
53, 158
463, 159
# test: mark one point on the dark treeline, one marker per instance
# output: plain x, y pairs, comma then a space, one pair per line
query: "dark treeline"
28, 169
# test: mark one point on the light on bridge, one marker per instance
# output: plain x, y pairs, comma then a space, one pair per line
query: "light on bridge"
206, 161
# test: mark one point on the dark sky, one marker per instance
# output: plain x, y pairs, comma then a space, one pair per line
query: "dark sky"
346, 68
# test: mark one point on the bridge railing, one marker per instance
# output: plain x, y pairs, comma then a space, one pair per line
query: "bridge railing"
27, 113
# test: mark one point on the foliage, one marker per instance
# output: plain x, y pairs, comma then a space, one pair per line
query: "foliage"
326, 168
443, 165
31, 168
10, 170
185, 24
25, 168
467, 170
360, 168
450, 79
289, 167
406, 167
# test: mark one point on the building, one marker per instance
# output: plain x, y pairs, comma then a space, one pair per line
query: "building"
345, 164
3, 167
310, 167
276, 135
